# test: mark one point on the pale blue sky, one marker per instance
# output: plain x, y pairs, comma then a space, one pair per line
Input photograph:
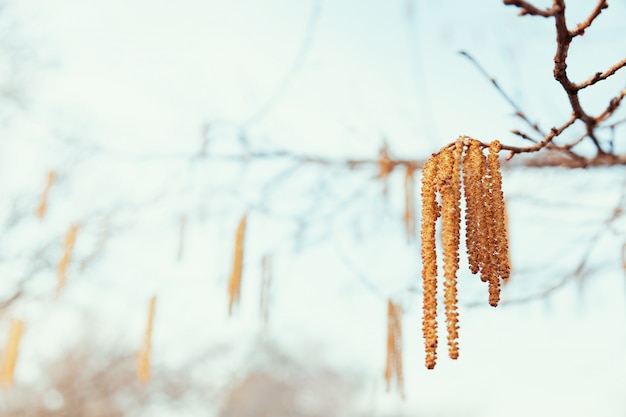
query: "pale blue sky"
117, 107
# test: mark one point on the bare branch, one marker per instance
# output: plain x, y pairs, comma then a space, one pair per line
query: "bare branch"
547, 140
599, 76
518, 111
6, 303
613, 105
529, 9
616, 123
564, 39
580, 29
576, 142
298, 63
523, 135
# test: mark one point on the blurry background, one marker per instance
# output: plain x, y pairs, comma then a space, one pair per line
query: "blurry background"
165, 123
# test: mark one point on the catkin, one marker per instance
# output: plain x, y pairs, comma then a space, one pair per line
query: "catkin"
450, 189
43, 202
473, 167
506, 257
409, 204
394, 347
485, 226
234, 284
10, 354
70, 239
397, 334
499, 211
266, 281
143, 356
390, 347
182, 227
484, 230
430, 213
496, 223
385, 166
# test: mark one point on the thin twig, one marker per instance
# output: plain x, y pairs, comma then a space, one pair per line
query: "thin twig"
298, 63
518, 111
576, 142
613, 105
580, 29
599, 76
529, 9
523, 136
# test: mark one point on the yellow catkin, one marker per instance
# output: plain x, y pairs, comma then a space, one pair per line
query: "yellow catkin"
498, 245
385, 166
450, 189
486, 261
430, 213
397, 334
499, 211
70, 239
10, 354
143, 356
394, 347
182, 227
409, 204
473, 166
390, 345
234, 284
266, 281
43, 202
508, 251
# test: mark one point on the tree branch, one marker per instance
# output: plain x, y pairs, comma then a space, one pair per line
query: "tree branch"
529, 9
580, 29
564, 39
518, 111
599, 76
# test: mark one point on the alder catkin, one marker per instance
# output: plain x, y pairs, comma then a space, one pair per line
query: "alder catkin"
430, 213
450, 189
266, 281
394, 347
409, 204
182, 227
473, 168
507, 269
485, 260
390, 349
10, 354
143, 356
68, 246
385, 166
497, 231
499, 212
234, 284
43, 202
397, 344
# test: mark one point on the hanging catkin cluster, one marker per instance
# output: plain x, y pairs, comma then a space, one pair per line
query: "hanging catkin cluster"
266, 282
409, 204
70, 239
385, 166
486, 231
43, 202
394, 347
234, 284
10, 354
143, 355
